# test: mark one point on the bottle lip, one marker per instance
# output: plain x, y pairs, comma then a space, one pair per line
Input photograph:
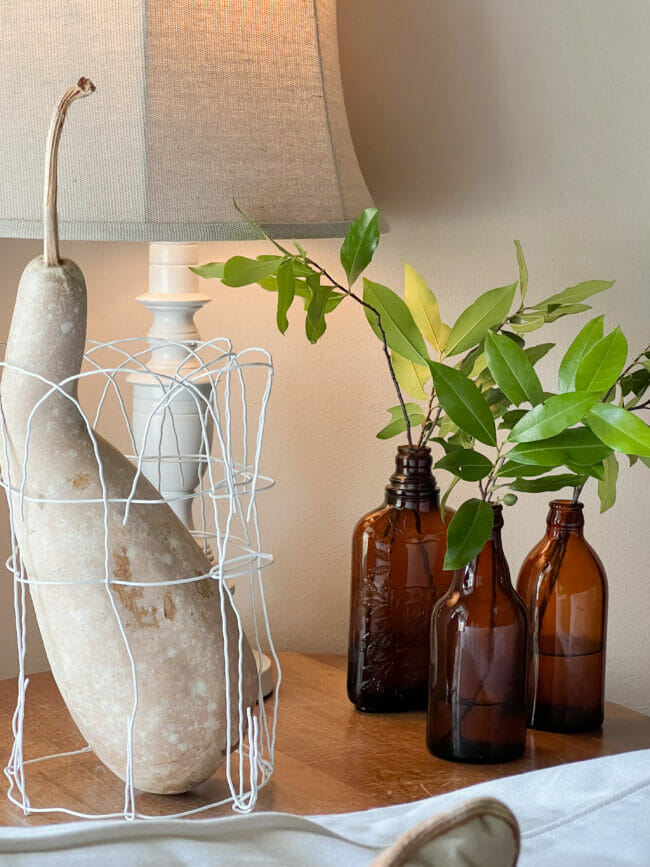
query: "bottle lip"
565, 515
413, 450
566, 505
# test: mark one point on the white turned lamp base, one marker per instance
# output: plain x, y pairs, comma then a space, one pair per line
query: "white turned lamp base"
265, 671
173, 299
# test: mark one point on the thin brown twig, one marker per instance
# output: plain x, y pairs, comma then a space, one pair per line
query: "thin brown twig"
377, 314
491, 482
576, 493
434, 422
626, 371
423, 433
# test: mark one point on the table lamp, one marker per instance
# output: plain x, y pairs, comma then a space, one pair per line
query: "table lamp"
197, 103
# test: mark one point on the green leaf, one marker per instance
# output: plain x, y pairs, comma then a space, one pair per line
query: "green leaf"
445, 497
461, 439
587, 338
212, 269
447, 426
411, 377
496, 400
512, 469
523, 270
479, 366
286, 293
483, 378
270, 284
333, 301
302, 269
515, 337
636, 382
315, 323
564, 310
360, 244
467, 364
468, 531
619, 429
402, 334
488, 310
423, 305
302, 290
535, 353
548, 483
603, 364
607, 487
511, 417
595, 471
512, 371
526, 322
445, 445
241, 271
553, 416
578, 445
466, 463
463, 403
397, 425
579, 292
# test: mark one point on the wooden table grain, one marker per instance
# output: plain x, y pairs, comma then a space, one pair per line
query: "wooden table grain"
329, 758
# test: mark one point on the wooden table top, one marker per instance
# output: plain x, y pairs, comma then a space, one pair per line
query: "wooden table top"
329, 758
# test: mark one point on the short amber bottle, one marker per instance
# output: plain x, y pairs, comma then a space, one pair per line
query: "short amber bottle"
479, 631
564, 586
397, 556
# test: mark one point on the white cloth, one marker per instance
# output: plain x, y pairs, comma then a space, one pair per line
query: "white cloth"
588, 813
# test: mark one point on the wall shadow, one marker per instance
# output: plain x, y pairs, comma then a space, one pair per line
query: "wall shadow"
424, 110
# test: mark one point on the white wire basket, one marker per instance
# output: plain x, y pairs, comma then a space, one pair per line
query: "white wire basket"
230, 392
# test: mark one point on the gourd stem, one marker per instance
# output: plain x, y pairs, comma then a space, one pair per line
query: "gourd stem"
50, 224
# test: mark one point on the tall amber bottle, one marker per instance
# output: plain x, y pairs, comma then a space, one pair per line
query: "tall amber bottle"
479, 631
397, 556
564, 586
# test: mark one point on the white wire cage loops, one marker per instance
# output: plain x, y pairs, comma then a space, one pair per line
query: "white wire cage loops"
210, 475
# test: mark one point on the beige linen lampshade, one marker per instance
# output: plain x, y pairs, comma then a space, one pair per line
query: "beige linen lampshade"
198, 102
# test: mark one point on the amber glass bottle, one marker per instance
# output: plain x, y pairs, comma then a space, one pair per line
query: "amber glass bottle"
397, 556
564, 586
477, 691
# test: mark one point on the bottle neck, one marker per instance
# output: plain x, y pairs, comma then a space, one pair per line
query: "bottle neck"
565, 518
412, 485
490, 568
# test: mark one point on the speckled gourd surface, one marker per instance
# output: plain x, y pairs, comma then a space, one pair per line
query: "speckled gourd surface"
175, 632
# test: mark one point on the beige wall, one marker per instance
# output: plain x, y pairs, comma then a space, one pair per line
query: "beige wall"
475, 123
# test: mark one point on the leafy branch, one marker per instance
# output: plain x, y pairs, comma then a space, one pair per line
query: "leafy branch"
296, 274
476, 392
